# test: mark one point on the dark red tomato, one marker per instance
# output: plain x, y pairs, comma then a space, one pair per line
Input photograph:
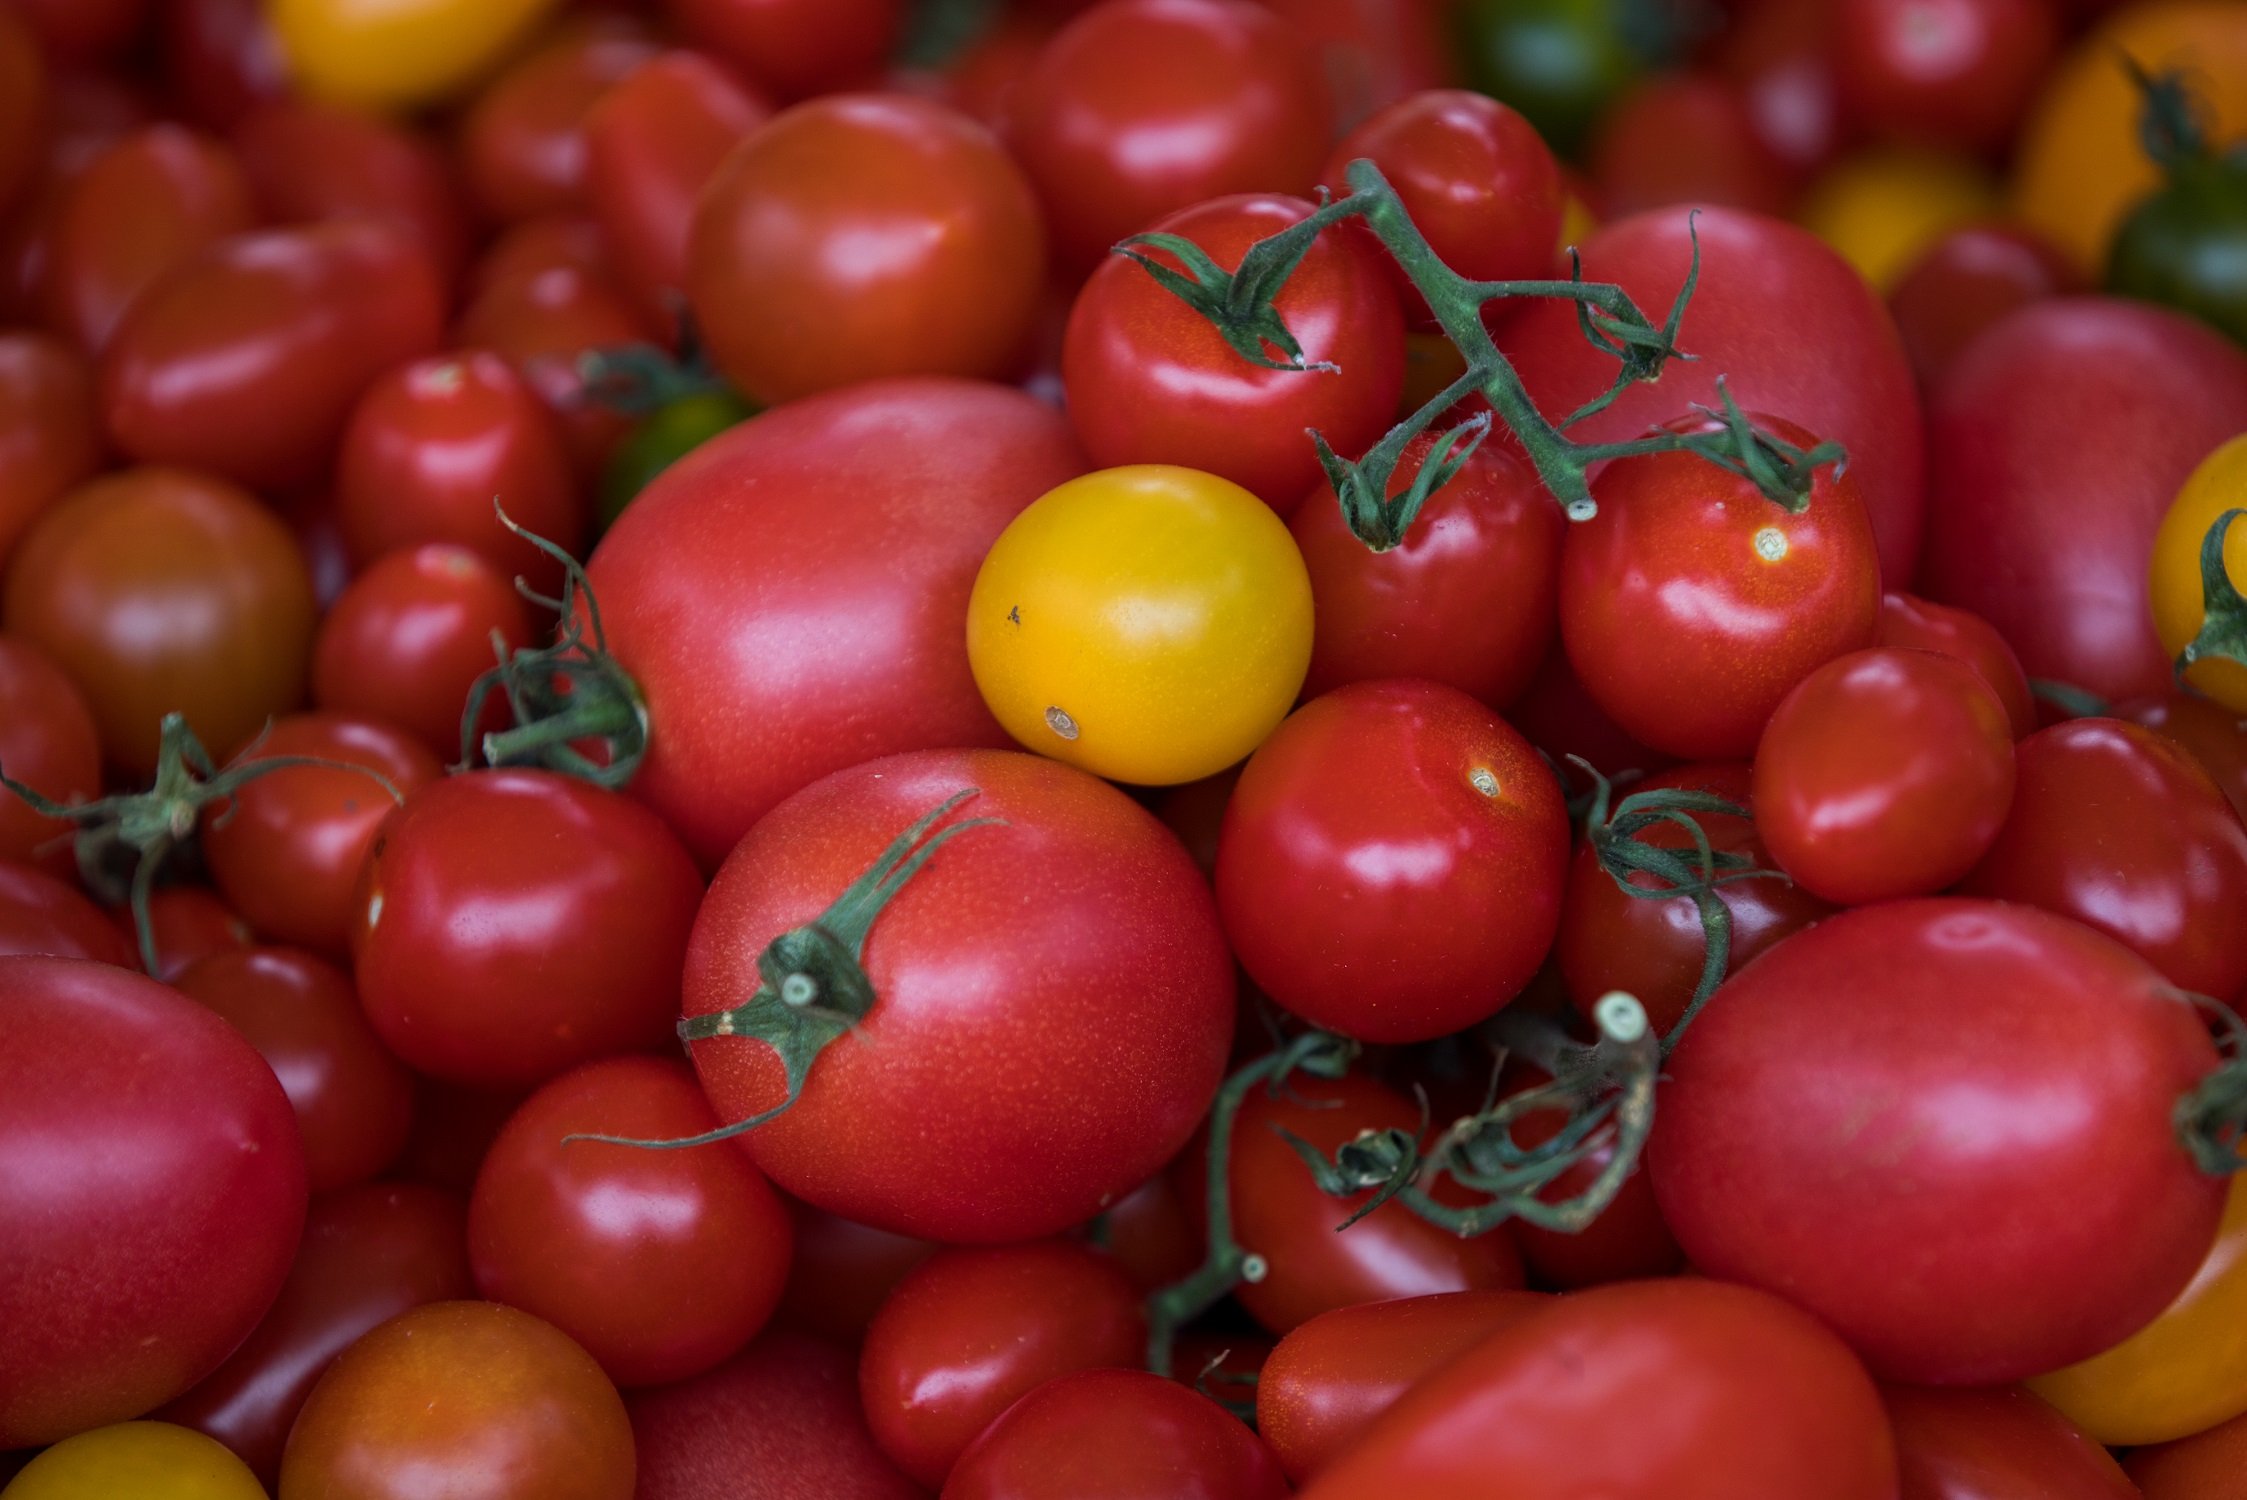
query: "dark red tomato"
50, 439
23, 109
1840, 371
1117, 1435
969, 1332
153, 1200
1949, 74
1690, 605
1910, 622
583, 901
865, 235
1149, 1233
843, 1273
47, 742
433, 444
221, 59
84, 30
1374, 52
2211, 1465
2211, 733
1116, 981
541, 324
770, 643
189, 925
1967, 280
353, 1100
1627, 1241
1686, 138
319, 536
660, 1263
1195, 812
1391, 862
1999, 1444
465, 1399
286, 852
2066, 431
310, 163
141, 208
411, 634
1140, 108
523, 252
1887, 773
1150, 380
1850, 1108
453, 1131
808, 1442
1779, 55
41, 914
159, 590
1561, 719
1779, 1407
368, 1254
522, 143
246, 360
979, 79
2120, 828
796, 48
652, 143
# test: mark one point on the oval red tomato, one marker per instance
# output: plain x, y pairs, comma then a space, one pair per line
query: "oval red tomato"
1997, 1444
47, 742
1117, 1435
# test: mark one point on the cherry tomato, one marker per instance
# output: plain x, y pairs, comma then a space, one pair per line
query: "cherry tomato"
524, 252
1993, 1445
1373, 52
189, 925
843, 1272
1952, 74
50, 439
2205, 1466
221, 59
522, 143
1116, 1435
310, 163
1796, 1080
796, 48
542, 324
23, 109
154, 1202
2211, 733
160, 590
2173, 580
1560, 62
1149, 1233
47, 742
147, 1460
401, 53
1966, 281
40, 914
1908, 622
1686, 138
1779, 55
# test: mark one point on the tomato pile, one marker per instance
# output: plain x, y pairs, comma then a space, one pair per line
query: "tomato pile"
1123, 749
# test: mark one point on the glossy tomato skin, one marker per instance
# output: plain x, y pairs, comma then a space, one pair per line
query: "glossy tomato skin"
368, 1253
2209, 731
1151, 381
47, 742
160, 590
1118, 983
2119, 828
1117, 1435
1967, 280
309, 163
1780, 1407
590, 899
522, 143
189, 924
1908, 622
152, 1460
1141, 108
42, 914
741, 578
542, 323
796, 48
660, 1263
1690, 605
144, 1244
50, 438
2027, 1014
1995, 1444
1391, 863
970, 1331
1948, 74
487, 1401
2174, 575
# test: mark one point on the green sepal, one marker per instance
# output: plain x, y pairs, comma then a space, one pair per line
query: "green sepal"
2223, 630
1240, 305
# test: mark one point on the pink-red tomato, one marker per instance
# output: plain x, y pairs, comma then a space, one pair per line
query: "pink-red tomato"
1995, 1444
797, 48
1948, 74
40, 914
309, 163
1964, 282
1910, 622
1117, 1435
523, 141
47, 742
50, 438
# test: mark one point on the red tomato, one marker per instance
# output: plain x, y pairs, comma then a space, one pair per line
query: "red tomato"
50, 440
2066, 431
2119, 828
189, 925
1779, 55
1140, 108
795, 47
2001, 1444
523, 142
524, 252
1561, 720
85, 113
980, 78
865, 235
2206, 1466
1949, 74
1967, 280
1840, 372
286, 851
1374, 52
40, 914
246, 359
84, 30
353, 1100
1150, 1234
2210, 732
368, 1254
310, 163
1150, 380
1686, 138
1910, 622
1391, 862
1116, 1435
1626, 1241
1886, 773
23, 109
661, 1263
542, 324
221, 59
469, 1399
1845, 1121
968, 1332
47, 742
1778, 1407
1333, 1376
153, 1201
770, 643
843, 1272
1690, 605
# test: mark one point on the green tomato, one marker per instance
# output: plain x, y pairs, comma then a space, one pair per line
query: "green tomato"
669, 433
1559, 62
2186, 245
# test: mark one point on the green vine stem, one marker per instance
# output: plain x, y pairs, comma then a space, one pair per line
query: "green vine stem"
2223, 629
2073, 701
2211, 1120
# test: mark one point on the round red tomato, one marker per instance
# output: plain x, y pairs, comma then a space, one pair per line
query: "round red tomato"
310, 163
221, 59
49, 437
1686, 138
1976, 1445
1948, 74
189, 925
524, 252
543, 323
47, 742
795, 47
1967, 280
1117, 1435
522, 143
1910, 622
843, 1272
40, 914
2211, 733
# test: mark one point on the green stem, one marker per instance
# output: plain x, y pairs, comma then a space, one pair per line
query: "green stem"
2211, 1120
589, 716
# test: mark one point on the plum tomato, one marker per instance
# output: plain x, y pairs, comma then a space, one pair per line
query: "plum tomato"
2216, 486
1996, 1444
797, 48
1967, 280
42, 914
1117, 1435
48, 743
310, 163
1910, 622
1946, 74
522, 143
147, 1460
50, 437
543, 322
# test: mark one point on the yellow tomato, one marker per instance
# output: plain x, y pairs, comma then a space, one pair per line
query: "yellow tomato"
1882, 209
1151, 624
136, 1461
2218, 485
2182, 1373
393, 54
1577, 222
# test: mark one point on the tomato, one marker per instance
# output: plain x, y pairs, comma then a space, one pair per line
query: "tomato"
47, 742
1150, 380
970, 1331
1840, 373
1149, 1233
842, 1274
189, 925
1332, 1377
1779, 1407
84, 31
1374, 52
23, 110
585, 900
771, 645
524, 252
2217, 485
1883, 208
1999, 1444
543, 324
2206, 1466
1116, 1435
50, 439
40, 914
1779, 55
1908, 622
399, 54
1625, 1241
310, 163
159, 590
797, 48
1965, 281
155, 1199
1560, 62
2211, 733
1116, 981
246, 359
147, 1460
1795, 1080
473, 1399
663, 437
522, 143
1054, 639
1949, 74
2181, 247
859, 236
2119, 828
221, 59
1686, 138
